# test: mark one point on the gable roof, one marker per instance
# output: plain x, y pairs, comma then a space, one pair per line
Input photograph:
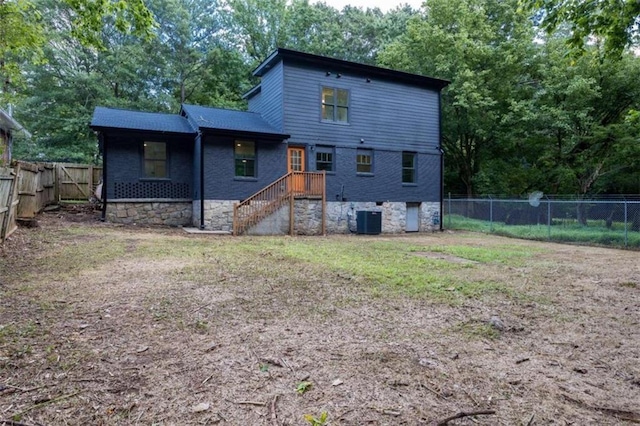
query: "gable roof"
346, 66
112, 118
230, 121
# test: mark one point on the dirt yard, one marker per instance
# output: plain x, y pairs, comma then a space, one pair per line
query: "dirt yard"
103, 325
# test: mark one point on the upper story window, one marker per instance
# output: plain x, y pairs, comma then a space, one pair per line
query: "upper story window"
364, 161
408, 167
335, 104
245, 158
324, 158
155, 160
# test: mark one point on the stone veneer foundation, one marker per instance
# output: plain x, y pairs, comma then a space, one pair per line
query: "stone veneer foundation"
143, 212
340, 219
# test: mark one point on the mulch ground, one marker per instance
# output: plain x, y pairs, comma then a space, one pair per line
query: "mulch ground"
138, 340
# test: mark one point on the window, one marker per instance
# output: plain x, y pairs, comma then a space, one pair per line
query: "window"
324, 158
335, 104
245, 159
408, 167
364, 158
155, 160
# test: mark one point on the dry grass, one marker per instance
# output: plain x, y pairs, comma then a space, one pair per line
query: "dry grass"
101, 324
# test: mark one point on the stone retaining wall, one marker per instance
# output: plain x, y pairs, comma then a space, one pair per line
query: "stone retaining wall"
218, 216
150, 213
341, 218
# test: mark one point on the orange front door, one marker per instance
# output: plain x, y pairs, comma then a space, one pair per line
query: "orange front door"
295, 163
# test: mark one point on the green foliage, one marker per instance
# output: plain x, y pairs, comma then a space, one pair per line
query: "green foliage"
320, 420
21, 39
303, 387
615, 22
127, 16
481, 47
575, 122
352, 33
521, 113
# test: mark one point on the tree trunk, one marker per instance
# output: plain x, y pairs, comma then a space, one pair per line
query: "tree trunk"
581, 213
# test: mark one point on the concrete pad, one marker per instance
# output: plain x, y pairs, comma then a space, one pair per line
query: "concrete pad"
205, 231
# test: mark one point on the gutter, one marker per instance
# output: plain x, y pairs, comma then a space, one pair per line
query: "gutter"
441, 161
6, 120
103, 139
199, 142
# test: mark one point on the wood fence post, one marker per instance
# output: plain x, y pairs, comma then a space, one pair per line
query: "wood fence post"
90, 180
56, 182
12, 206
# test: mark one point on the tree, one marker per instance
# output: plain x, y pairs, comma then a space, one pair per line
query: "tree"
615, 22
128, 17
22, 33
198, 64
483, 47
186, 60
354, 34
579, 119
21, 39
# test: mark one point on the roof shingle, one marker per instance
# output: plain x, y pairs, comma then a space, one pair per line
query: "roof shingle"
138, 120
230, 120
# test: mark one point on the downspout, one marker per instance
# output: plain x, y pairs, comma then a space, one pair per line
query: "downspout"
201, 145
103, 139
441, 160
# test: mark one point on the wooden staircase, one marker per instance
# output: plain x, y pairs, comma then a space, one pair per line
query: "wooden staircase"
251, 211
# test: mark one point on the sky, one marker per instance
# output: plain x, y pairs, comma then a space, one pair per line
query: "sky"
384, 5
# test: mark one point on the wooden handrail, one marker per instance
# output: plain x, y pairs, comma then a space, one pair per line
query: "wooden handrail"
268, 200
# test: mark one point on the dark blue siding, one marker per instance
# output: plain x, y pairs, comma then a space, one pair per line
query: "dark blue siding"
385, 114
126, 162
255, 103
220, 180
385, 183
270, 102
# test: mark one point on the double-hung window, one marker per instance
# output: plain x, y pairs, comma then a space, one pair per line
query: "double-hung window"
364, 161
324, 158
245, 158
408, 167
155, 160
335, 104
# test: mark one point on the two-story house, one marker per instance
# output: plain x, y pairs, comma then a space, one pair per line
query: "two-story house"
326, 144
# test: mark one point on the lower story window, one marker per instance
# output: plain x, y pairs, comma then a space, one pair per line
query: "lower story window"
364, 161
245, 158
324, 158
155, 160
408, 167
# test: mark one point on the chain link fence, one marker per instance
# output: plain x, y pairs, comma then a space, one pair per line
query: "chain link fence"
610, 221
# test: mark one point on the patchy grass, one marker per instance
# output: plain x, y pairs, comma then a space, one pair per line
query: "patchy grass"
115, 325
595, 233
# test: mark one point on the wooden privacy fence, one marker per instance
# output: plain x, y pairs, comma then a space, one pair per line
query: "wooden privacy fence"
27, 188
77, 181
8, 202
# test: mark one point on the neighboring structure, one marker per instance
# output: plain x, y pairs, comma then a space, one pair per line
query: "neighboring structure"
8, 125
323, 140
